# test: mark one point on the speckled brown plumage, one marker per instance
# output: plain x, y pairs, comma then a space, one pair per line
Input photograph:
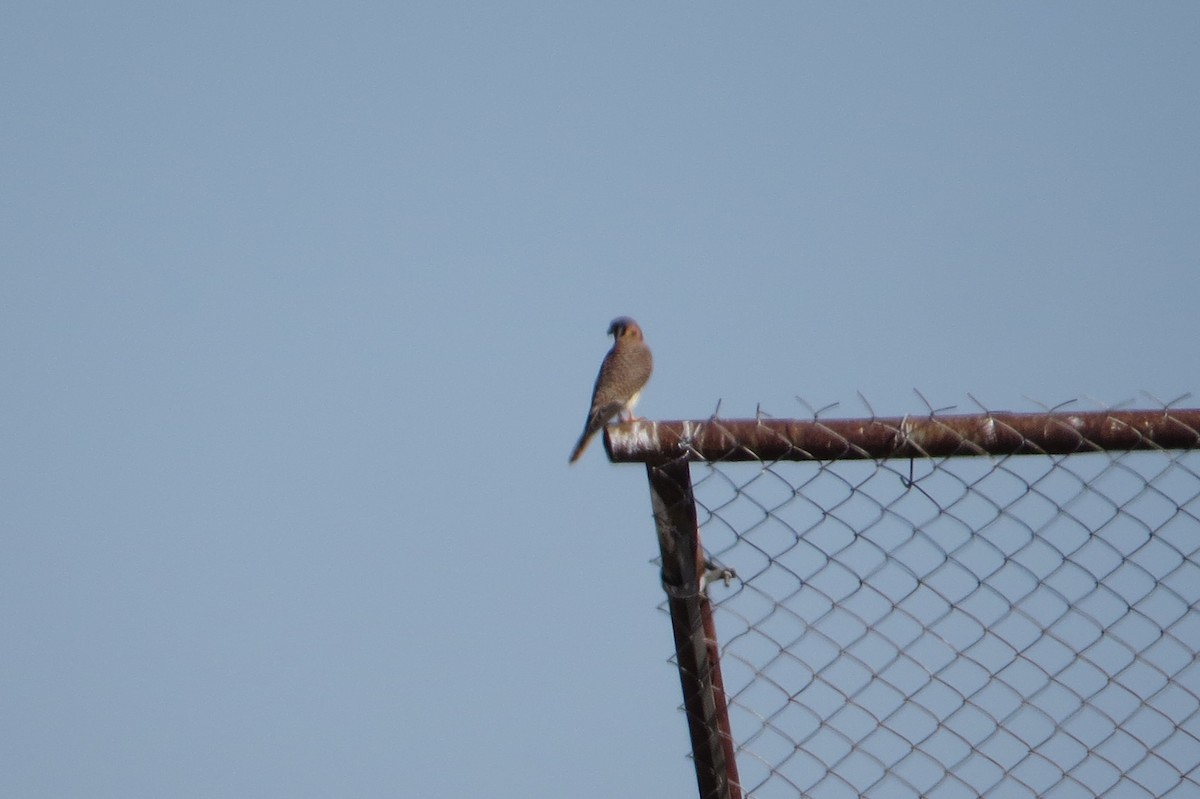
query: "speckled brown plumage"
623, 374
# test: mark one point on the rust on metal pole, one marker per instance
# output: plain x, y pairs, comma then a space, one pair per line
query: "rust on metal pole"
1057, 433
695, 633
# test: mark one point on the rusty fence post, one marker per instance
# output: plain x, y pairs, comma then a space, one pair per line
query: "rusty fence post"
695, 633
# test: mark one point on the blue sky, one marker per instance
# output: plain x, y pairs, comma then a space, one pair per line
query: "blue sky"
303, 303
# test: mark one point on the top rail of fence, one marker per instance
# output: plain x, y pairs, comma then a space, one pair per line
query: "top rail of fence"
992, 433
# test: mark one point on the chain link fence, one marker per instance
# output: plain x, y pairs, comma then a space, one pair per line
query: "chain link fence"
908, 622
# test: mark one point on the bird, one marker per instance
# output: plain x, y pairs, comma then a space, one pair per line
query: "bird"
623, 375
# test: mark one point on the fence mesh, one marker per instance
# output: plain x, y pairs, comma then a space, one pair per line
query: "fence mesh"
1021, 625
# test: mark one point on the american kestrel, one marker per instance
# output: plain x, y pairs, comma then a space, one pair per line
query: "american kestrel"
623, 374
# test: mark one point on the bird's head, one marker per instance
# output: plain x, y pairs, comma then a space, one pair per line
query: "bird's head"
624, 327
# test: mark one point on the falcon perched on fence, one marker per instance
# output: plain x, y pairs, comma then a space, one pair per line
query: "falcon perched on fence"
623, 374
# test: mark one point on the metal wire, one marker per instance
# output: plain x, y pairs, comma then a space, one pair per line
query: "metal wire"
1015, 625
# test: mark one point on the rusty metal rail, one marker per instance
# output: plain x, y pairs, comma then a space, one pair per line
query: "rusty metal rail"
902, 437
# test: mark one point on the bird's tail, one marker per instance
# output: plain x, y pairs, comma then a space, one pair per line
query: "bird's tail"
594, 423
584, 440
